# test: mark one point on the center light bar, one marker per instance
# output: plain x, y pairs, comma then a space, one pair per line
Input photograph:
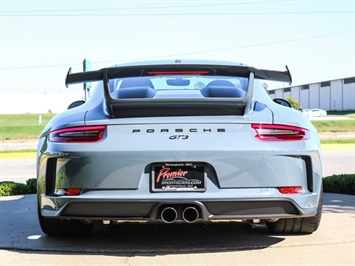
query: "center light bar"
179, 72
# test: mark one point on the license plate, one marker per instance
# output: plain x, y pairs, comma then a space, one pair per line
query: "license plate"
178, 177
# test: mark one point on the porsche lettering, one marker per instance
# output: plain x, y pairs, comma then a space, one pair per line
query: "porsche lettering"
179, 130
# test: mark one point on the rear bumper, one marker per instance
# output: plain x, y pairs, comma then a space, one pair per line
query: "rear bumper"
90, 207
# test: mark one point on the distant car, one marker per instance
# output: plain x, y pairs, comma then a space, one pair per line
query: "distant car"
314, 112
179, 142
304, 110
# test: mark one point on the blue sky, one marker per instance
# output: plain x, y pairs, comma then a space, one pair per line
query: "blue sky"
40, 40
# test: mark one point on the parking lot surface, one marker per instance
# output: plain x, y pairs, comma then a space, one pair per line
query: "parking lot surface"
22, 241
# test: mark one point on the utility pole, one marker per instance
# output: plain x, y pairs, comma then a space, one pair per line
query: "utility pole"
87, 86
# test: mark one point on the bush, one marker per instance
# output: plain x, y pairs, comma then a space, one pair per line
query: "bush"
31, 186
9, 188
342, 184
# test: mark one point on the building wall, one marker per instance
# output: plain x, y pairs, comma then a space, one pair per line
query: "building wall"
304, 96
324, 97
334, 95
348, 96
314, 95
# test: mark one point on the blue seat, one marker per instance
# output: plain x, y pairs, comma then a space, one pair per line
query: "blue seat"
136, 82
135, 88
222, 88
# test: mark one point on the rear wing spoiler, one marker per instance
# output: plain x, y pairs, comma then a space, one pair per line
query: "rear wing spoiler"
134, 71
118, 106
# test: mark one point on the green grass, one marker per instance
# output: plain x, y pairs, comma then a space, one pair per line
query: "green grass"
334, 125
337, 141
24, 119
22, 126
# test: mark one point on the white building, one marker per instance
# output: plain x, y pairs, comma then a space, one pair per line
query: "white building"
332, 95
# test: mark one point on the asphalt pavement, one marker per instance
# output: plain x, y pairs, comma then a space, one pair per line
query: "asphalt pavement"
23, 243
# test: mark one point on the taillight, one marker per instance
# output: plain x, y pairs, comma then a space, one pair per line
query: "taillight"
68, 192
290, 190
78, 134
270, 132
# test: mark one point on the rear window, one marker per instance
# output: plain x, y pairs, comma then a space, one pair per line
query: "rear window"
179, 86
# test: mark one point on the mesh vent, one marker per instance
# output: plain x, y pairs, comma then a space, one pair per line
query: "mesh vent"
250, 208
108, 209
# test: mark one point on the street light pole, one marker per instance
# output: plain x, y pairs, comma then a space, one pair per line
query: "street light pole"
87, 86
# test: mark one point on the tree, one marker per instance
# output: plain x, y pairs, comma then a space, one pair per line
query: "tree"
295, 104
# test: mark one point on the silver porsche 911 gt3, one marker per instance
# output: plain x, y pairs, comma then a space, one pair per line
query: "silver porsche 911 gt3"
179, 142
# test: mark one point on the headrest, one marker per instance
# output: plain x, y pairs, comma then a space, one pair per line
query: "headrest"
136, 82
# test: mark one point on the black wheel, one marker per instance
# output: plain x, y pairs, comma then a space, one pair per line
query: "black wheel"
306, 225
57, 227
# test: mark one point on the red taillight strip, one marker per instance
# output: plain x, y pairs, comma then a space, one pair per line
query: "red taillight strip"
272, 132
68, 192
179, 72
291, 190
78, 134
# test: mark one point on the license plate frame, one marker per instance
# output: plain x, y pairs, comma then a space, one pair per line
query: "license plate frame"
178, 177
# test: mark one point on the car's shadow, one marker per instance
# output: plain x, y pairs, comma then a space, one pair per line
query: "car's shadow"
20, 230
187, 238
146, 239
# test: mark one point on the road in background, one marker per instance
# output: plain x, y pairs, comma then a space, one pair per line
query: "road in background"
4, 146
338, 162
17, 170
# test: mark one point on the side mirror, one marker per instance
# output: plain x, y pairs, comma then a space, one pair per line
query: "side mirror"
282, 102
76, 104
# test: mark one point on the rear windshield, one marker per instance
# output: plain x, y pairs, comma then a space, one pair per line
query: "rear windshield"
175, 86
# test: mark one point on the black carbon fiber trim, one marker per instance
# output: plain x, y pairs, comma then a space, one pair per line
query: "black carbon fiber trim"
240, 208
108, 209
126, 210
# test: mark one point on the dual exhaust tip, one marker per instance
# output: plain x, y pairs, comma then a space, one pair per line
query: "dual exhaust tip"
170, 214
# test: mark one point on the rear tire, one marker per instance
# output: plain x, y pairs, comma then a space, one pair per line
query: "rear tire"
306, 225
58, 227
